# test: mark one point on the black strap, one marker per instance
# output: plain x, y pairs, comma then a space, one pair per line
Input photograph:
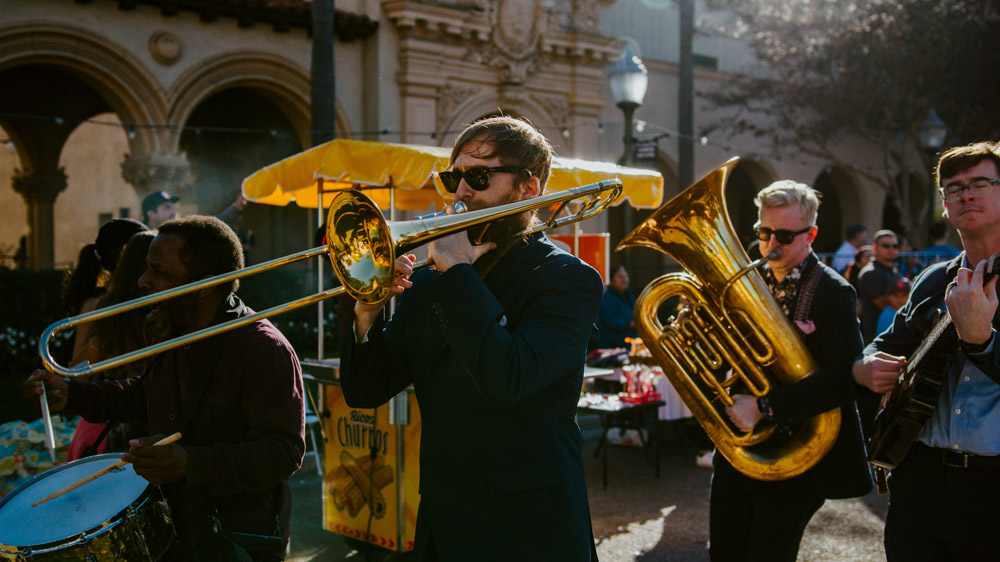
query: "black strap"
91, 450
807, 290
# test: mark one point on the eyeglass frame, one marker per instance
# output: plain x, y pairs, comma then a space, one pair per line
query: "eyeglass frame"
456, 176
962, 187
784, 237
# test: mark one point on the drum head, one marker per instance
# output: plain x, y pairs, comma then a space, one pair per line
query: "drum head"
81, 510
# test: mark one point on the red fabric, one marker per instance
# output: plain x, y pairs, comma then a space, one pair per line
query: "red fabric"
86, 433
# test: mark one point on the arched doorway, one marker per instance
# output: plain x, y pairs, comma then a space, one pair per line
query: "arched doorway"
830, 220
746, 179
227, 137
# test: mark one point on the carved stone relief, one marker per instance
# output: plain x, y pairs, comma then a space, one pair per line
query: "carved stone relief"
165, 47
516, 28
449, 98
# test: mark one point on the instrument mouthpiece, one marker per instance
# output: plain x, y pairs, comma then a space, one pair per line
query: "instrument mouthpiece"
775, 254
460, 207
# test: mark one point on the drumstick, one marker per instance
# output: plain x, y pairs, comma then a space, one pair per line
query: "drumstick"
165, 441
50, 438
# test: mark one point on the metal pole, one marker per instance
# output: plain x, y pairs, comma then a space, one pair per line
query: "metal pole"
685, 97
628, 214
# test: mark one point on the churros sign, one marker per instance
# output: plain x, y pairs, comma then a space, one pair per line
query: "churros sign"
364, 480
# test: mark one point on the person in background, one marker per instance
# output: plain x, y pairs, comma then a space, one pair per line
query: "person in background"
493, 340
875, 279
862, 257
615, 321
898, 293
112, 337
909, 261
758, 520
943, 494
939, 250
94, 265
233, 216
158, 208
857, 236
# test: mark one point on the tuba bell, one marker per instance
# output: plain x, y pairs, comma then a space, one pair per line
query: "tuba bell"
734, 339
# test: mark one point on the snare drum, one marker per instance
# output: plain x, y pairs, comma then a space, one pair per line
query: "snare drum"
118, 516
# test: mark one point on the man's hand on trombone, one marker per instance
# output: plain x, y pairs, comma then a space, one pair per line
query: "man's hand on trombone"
365, 314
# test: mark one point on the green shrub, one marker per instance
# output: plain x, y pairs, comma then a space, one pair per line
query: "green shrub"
32, 301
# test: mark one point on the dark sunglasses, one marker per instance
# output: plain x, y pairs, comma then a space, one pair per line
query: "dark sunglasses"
478, 178
889, 246
764, 233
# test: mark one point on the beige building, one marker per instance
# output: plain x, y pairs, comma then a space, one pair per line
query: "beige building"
102, 102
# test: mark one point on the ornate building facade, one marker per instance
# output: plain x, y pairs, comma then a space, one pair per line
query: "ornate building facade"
105, 101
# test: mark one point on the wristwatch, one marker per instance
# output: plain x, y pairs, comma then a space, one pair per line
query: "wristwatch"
764, 407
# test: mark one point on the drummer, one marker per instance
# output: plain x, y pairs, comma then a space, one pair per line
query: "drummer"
237, 399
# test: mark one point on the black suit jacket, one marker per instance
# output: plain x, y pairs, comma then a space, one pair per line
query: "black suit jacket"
497, 367
836, 341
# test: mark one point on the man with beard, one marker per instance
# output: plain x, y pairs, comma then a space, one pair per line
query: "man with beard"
236, 398
493, 340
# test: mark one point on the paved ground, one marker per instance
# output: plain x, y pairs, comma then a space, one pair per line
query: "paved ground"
638, 518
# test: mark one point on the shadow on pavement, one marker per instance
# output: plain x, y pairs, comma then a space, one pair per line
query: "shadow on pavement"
638, 518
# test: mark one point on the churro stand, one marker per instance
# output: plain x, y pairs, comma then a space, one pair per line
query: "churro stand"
371, 457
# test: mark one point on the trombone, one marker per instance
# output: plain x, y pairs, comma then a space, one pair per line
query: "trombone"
362, 247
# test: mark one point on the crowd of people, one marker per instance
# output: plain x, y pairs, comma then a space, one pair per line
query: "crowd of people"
493, 340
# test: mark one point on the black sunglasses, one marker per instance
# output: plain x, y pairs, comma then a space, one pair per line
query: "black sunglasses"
764, 233
478, 178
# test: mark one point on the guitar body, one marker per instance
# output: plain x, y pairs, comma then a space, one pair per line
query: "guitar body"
905, 408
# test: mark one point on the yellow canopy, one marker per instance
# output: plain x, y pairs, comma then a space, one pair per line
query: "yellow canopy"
377, 167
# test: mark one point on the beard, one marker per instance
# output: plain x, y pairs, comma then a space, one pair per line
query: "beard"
506, 232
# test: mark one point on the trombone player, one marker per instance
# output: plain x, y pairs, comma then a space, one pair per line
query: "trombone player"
493, 339
753, 520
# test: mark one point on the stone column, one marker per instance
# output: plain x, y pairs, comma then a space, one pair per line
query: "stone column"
156, 172
39, 190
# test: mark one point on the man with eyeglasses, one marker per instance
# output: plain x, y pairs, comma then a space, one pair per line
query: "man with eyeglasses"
493, 340
875, 280
753, 520
944, 494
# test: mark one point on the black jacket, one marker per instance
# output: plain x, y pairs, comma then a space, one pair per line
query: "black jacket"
497, 367
834, 344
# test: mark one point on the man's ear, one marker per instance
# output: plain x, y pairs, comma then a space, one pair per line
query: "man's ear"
944, 207
532, 188
812, 233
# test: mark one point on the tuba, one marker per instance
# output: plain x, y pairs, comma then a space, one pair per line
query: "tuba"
734, 339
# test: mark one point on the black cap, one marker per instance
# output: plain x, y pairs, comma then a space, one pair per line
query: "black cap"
155, 199
113, 236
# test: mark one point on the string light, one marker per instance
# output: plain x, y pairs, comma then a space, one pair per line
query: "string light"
565, 130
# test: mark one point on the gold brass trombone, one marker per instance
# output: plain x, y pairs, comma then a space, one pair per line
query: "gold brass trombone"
362, 247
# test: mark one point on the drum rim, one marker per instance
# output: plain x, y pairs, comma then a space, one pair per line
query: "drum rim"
81, 537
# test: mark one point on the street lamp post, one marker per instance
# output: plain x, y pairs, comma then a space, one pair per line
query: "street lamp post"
931, 133
628, 79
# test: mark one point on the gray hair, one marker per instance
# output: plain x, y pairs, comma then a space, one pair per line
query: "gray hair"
786, 192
